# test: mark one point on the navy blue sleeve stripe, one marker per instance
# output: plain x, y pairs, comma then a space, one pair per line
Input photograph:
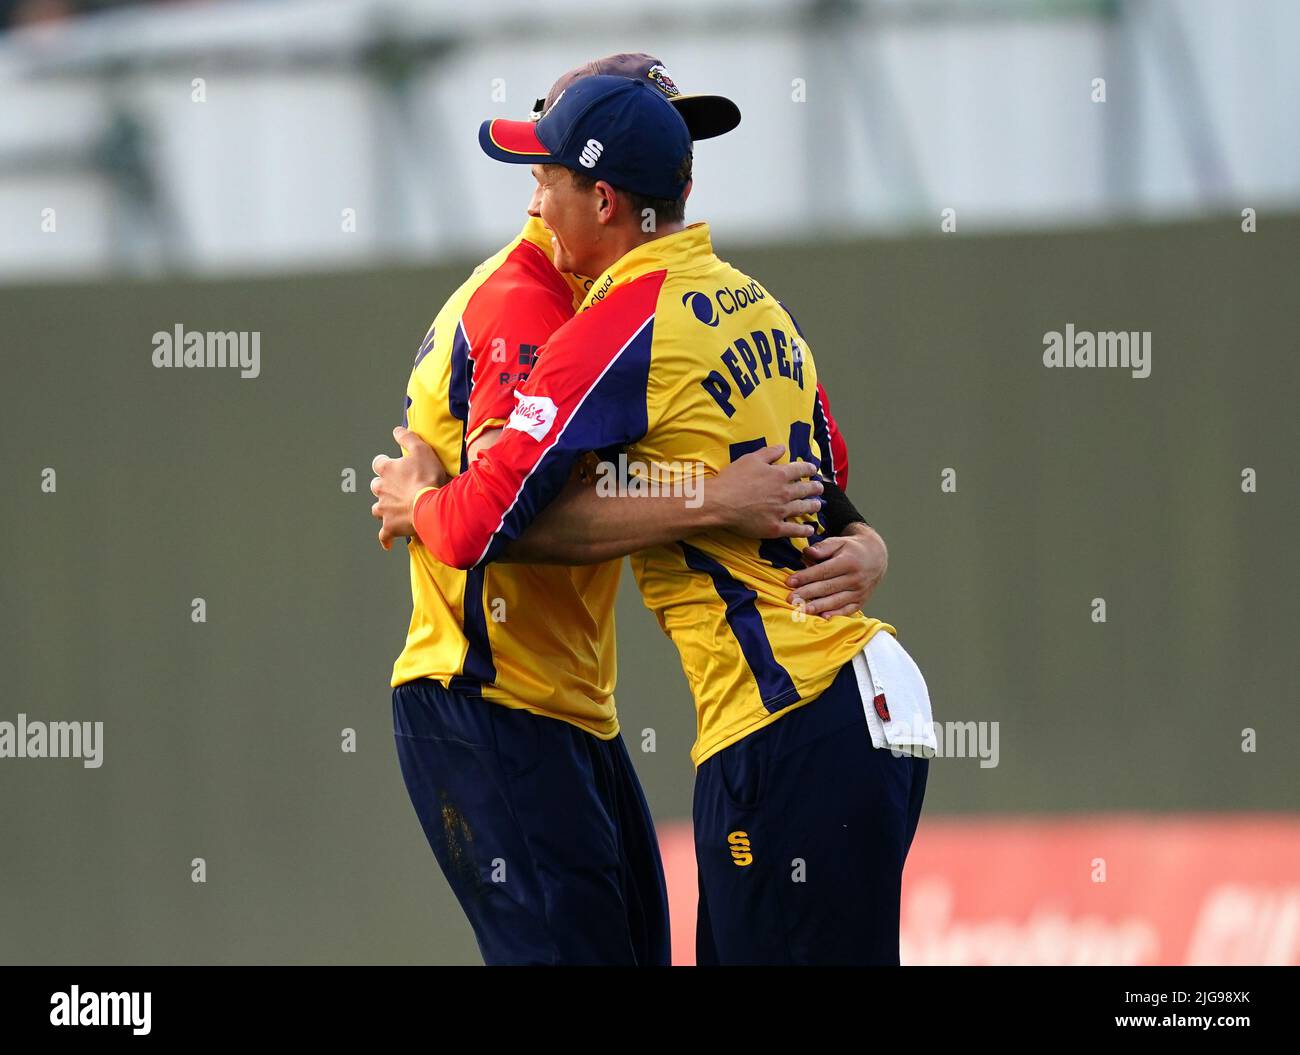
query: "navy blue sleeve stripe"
822, 432
612, 412
460, 386
425, 348
478, 666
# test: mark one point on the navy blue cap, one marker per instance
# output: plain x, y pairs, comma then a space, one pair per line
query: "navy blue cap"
610, 128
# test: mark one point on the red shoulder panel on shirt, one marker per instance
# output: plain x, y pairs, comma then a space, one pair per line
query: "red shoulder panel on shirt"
598, 332
586, 392
511, 315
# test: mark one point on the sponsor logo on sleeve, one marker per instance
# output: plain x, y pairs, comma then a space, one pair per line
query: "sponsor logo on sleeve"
533, 414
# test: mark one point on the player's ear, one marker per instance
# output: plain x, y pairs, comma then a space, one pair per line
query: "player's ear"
606, 202
686, 193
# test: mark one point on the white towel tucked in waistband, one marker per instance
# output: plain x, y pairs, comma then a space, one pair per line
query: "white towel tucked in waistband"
894, 698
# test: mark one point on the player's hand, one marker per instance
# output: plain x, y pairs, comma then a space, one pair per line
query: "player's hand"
398, 480
755, 497
843, 572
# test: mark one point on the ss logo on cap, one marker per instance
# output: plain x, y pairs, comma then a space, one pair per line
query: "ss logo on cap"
590, 153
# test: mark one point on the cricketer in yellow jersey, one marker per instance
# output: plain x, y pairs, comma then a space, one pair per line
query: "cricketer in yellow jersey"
503, 702
802, 820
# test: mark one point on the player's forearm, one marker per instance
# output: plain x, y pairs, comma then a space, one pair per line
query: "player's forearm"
858, 527
459, 522
584, 527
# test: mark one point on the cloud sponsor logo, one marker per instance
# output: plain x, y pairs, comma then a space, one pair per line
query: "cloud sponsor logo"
701, 306
598, 295
726, 300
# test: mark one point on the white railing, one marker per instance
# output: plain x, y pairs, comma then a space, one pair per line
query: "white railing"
338, 133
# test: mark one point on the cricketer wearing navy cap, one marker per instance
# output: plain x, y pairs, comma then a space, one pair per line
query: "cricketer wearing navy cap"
609, 128
587, 885
789, 765
509, 728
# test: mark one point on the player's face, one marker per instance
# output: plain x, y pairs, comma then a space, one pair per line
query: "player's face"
570, 213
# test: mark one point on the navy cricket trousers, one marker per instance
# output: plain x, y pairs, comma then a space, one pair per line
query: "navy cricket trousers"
801, 832
541, 829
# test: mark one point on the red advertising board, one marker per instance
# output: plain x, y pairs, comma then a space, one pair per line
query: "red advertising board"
1204, 889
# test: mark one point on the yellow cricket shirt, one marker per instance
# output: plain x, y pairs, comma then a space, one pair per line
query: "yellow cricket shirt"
682, 363
536, 637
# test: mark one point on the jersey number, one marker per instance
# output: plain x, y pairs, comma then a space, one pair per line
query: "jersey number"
781, 552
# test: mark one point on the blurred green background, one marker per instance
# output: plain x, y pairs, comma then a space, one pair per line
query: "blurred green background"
222, 740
